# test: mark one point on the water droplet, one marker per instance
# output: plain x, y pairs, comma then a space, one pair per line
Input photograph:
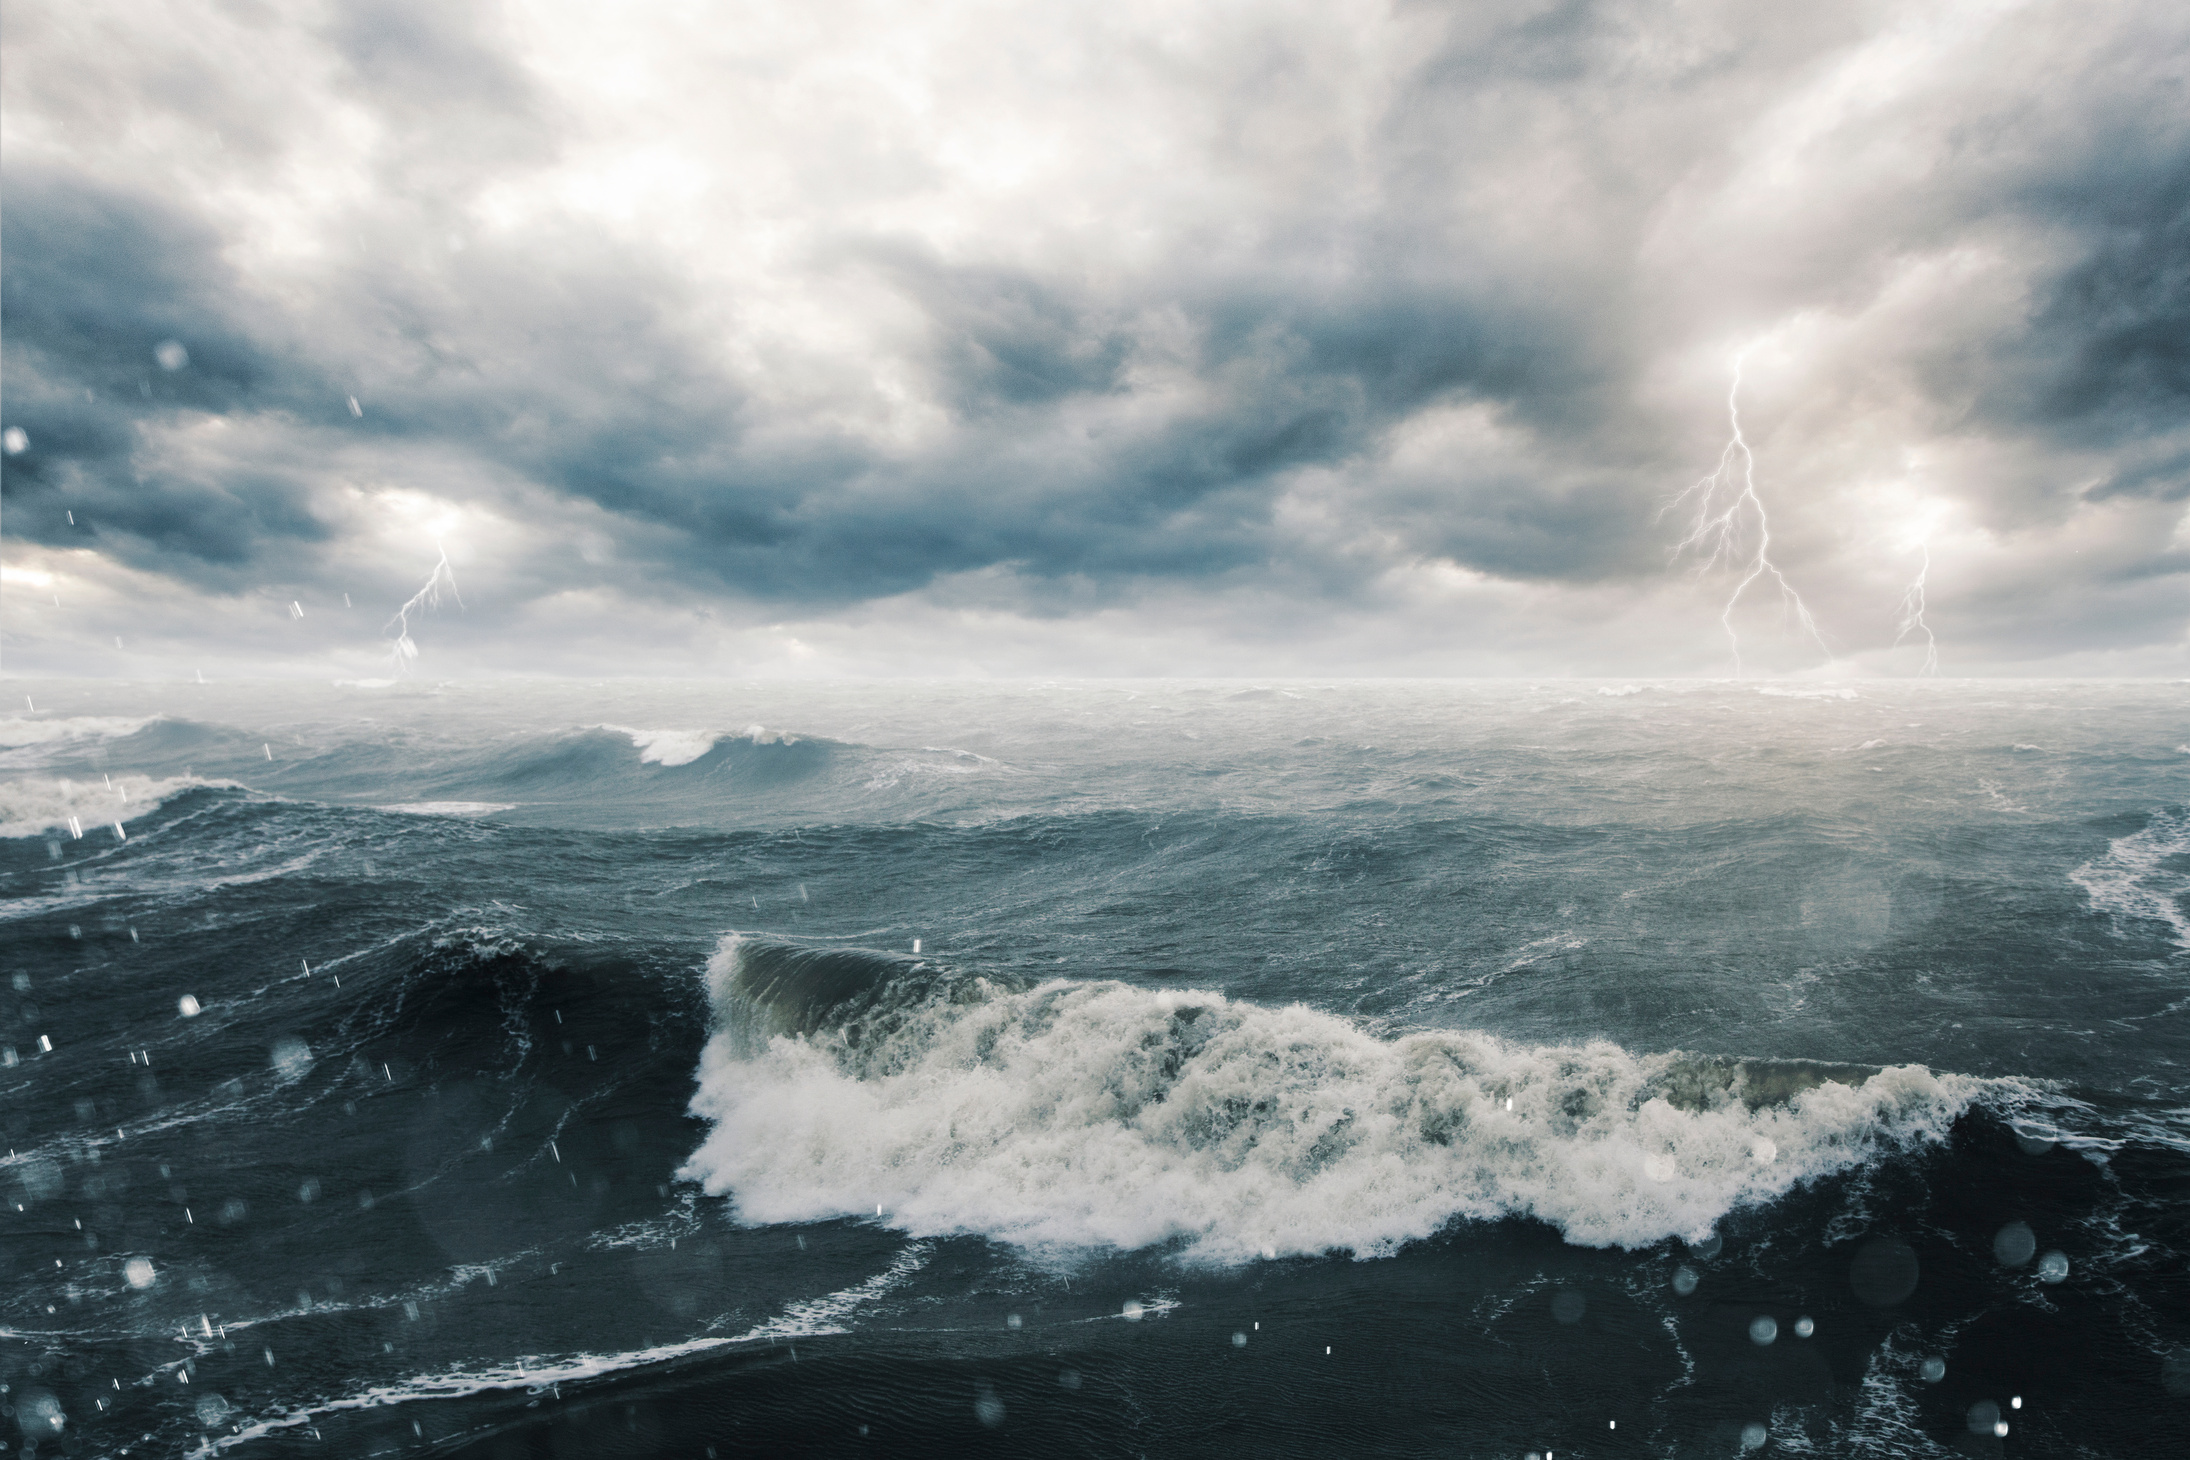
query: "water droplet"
1684, 1280
1239, 1340
1933, 1369
2014, 1244
16, 440
171, 354
291, 1057
2053, 1267
138, 1272
188, 1006
1763, 1329
1753, 1436
1805, 1326
1132, 1311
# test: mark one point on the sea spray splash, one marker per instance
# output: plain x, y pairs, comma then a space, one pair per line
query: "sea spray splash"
1096, 1114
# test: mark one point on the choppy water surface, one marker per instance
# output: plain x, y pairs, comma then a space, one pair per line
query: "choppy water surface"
1096, 1069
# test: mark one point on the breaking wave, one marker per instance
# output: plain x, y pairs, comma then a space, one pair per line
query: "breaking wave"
1095, 1114
34, 807
16, 733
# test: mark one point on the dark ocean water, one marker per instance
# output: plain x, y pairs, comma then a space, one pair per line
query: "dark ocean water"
1096, 1069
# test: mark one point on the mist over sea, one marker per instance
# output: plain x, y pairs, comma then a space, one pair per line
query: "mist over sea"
1584, 1068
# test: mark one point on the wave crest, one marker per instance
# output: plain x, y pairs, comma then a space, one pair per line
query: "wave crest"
1095, 1114
17, 733
37, 807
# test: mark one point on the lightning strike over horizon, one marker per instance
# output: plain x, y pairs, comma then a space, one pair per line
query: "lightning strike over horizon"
1912, 615
1732, 528
442, 579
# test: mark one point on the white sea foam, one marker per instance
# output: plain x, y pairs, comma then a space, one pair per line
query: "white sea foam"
1839, 693
38, 807
537, 1374
668, 747
2133, 882
15, 734
1616, 692
829, 1313
1095, 1114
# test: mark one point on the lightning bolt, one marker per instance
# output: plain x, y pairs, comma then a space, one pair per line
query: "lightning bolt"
442, 579
1732, 529
1912, 615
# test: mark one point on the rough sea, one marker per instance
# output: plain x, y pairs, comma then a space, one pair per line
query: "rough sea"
1095, 1069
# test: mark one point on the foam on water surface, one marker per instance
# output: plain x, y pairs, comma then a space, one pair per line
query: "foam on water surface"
2144, 877
668, 747
1099, 1115
17, 733
41, 807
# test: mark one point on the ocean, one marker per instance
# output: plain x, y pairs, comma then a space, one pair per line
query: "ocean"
1096, 1069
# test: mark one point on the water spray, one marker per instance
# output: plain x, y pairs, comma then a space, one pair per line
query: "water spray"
441, 580
1732, 529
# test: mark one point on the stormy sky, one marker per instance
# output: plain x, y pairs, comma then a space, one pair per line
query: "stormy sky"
1131, 338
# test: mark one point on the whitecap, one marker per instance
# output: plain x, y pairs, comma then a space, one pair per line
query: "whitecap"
39, 807
15, 734
1075, 1115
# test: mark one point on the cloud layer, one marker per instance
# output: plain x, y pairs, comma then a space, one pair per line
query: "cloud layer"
986, 338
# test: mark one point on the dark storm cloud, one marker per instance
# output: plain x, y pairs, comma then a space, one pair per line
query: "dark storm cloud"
96, 283
1483, 243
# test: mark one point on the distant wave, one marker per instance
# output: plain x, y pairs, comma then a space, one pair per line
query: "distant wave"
17, 733
37, 807
447, 808
2140, 878
682, 747
1094, 1114
1837, 693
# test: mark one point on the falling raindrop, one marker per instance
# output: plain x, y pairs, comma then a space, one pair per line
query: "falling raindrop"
188, 1006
